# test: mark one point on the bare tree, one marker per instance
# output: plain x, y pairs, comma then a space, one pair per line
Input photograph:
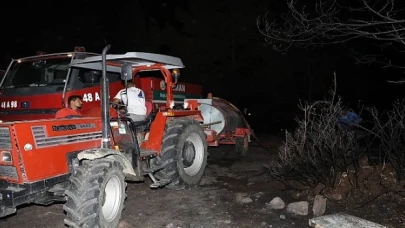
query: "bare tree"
389, 136
318, 150
338, 22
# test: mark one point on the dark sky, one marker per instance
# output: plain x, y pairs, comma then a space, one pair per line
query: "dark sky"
217, 40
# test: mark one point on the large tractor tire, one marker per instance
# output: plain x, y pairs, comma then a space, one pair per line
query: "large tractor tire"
242, 146
96, 195
183, 154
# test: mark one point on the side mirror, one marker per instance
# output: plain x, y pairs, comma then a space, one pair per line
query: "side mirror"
126, 72
176, 75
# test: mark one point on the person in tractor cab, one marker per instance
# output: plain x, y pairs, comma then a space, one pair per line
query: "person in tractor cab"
72, 111
134, 100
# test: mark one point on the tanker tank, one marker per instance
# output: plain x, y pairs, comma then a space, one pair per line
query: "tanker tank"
220, 115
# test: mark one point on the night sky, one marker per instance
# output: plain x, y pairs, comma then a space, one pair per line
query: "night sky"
218, 42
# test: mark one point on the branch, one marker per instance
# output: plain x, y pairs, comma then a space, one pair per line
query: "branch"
333, 22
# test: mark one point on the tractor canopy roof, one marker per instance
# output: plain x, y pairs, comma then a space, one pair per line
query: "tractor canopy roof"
137, 59
52, 55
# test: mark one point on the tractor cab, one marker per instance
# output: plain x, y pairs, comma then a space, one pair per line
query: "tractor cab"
119, 130
129, 65
139, 62
143, 125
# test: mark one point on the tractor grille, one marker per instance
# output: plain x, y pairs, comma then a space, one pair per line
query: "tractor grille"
42, 140
5, 141
8, 171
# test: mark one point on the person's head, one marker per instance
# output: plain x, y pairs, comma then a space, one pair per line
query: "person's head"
75, 102
130, 83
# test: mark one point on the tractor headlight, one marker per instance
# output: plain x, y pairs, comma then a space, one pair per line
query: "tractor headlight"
6, 156
176, 72
176, 75
185, 104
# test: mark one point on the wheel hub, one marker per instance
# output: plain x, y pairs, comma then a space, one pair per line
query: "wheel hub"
112, 198
188, 154
193, 154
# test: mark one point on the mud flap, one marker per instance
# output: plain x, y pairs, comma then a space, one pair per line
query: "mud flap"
93, 154
4, 211
7, 206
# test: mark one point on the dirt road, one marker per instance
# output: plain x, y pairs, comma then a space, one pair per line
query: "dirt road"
233, 193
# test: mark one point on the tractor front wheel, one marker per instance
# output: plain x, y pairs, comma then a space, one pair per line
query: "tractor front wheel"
96, 195
183, 154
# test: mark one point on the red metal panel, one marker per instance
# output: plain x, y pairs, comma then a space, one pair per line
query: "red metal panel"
50, 160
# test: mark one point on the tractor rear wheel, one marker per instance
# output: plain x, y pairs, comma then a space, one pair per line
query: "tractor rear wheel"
96, 195
183, 154
242, 145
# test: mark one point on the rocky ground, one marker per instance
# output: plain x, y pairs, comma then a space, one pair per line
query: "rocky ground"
233, 193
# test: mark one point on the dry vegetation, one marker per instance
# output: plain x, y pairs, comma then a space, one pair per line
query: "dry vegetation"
352, 165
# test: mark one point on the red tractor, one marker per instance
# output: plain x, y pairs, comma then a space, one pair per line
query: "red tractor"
36, 87
85, 162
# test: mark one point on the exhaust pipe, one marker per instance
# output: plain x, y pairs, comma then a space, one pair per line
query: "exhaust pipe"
105, 114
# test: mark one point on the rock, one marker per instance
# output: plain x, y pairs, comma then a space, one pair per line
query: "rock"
276, 203
170, 225
259, 194
243, 198
318, 189
282, 216
124, 224
299, 208
319, 206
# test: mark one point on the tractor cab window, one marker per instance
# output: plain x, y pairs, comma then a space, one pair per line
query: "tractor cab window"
84, 78
89, 77
40, 72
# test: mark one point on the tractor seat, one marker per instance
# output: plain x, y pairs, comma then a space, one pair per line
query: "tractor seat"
144, 124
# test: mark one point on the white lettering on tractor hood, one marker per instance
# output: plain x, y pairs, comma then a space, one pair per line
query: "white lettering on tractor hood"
180, 88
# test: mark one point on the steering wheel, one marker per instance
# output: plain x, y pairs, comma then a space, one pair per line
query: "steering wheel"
121, 109
117, 106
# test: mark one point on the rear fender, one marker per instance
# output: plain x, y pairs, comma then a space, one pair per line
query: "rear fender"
98, 153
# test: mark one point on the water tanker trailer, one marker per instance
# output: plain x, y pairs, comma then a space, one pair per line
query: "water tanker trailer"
224, 123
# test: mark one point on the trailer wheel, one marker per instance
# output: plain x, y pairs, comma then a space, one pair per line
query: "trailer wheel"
183, 154
96, 195
242, 145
